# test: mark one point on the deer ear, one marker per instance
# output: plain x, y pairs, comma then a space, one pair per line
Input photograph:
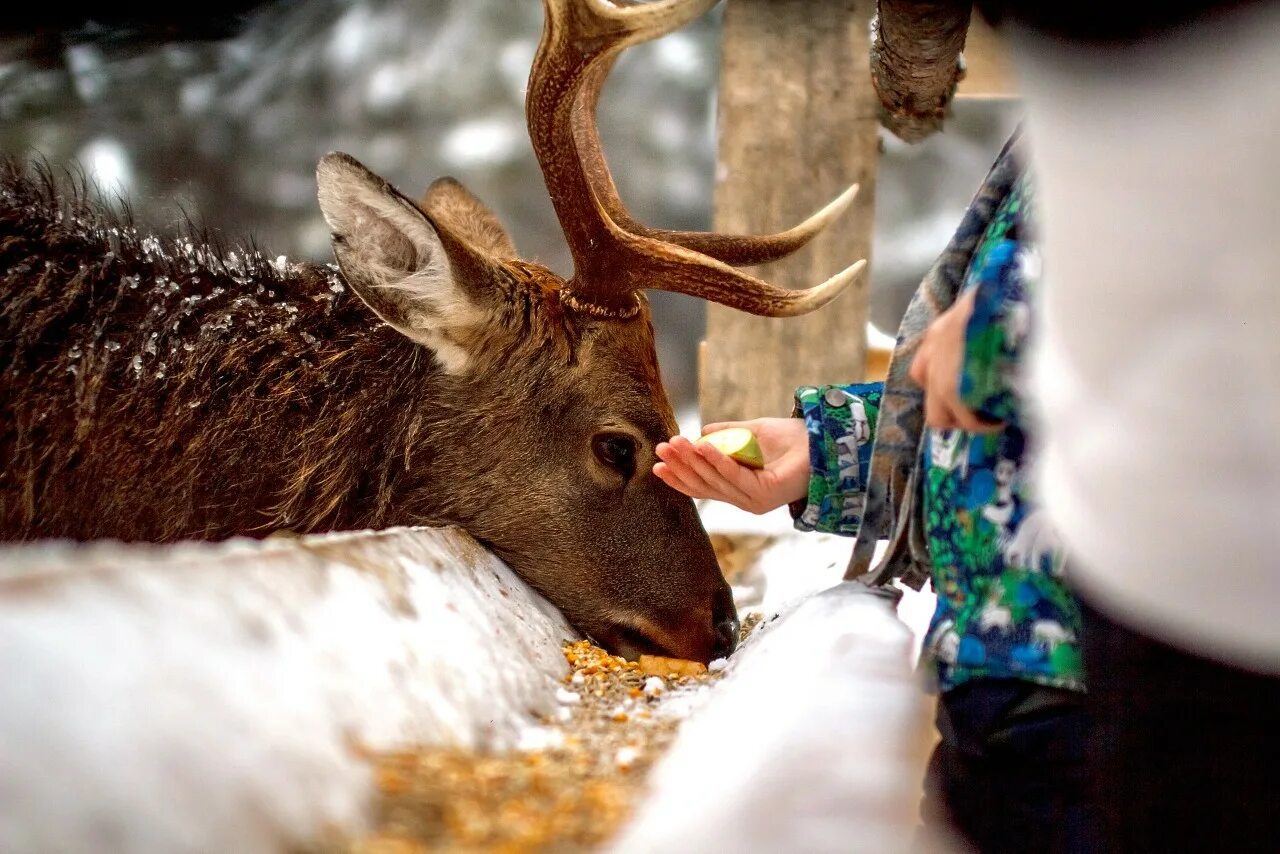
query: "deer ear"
447, 201
399, 263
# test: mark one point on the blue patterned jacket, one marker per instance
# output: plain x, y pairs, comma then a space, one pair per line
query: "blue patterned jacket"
995, 564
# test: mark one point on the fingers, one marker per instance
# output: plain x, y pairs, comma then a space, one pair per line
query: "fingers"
918, 372
680, 473
943, 409
936, 368
936, 413
966, 419
938, 410
675, 472
939, 414
671, 479
733, 478
685, 468
712, 468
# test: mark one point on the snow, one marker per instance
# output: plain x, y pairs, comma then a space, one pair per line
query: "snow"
682, 60
216, 697
565, 697
212, 697
488, 141
812, 740
797, 564
805, 745
879, 339
107, 164
540, 738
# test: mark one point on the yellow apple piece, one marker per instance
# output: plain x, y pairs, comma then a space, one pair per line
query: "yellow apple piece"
737, 443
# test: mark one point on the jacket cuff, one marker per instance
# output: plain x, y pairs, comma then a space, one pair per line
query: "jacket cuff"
841, 423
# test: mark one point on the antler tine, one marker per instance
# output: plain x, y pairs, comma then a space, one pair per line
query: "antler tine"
747, 250
615, 257
646, 21
576, 33
684, 271
735, 249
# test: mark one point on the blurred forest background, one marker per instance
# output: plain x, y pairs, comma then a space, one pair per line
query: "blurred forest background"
220, 112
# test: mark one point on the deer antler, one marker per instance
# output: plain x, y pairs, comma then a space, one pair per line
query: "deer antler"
738, 250
614, 256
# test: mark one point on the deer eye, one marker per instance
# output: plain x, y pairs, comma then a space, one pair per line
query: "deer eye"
616, 451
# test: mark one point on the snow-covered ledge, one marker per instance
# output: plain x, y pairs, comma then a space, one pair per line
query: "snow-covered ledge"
806, 745
211, 697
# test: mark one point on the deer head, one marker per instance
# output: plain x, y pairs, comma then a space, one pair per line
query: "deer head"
551, 387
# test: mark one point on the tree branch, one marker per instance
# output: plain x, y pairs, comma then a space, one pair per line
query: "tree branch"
915, 62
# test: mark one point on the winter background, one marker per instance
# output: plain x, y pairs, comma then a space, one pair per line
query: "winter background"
220, 114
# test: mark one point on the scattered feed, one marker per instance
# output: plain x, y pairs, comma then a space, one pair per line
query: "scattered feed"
579, 778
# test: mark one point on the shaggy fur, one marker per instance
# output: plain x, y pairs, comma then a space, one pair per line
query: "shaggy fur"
161, 389
216, 393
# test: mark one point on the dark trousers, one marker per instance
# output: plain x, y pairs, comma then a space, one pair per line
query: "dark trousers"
1009, 772
1185, 754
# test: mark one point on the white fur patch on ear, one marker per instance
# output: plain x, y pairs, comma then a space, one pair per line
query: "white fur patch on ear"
393, 259
443, 311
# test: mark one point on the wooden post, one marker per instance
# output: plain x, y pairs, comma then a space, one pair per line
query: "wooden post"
797, 123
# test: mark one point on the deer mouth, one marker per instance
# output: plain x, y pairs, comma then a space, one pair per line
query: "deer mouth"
631, 642
702, 642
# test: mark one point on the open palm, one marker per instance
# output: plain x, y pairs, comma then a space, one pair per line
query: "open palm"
701, 471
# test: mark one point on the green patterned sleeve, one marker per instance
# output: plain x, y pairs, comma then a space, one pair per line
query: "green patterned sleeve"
841, 422
1002, 275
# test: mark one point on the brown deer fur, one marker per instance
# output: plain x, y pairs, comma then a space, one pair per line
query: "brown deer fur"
162, 389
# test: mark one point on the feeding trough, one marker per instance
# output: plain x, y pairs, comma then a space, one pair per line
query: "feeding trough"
281, 695
219, 697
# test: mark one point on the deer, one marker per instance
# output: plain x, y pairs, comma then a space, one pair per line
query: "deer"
168, 388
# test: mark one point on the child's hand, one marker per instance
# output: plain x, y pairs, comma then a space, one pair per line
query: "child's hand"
936, 369
700, 471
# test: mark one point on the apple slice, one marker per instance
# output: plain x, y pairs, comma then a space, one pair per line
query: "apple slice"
737, 443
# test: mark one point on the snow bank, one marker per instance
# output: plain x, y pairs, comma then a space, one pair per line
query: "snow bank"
216, 697
806, 744
797, 564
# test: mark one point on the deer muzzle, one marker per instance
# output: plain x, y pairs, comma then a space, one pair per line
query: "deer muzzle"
702, 634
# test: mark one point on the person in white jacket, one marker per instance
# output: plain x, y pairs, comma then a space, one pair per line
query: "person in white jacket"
1156, 146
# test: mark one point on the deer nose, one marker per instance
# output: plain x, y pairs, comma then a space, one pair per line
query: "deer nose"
725, 623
